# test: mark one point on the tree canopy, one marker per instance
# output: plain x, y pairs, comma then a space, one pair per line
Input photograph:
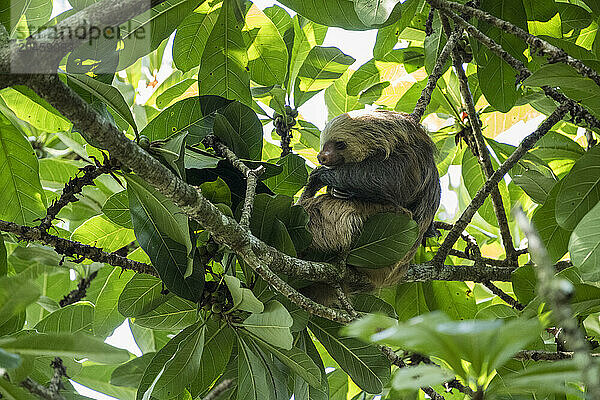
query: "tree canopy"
151, 152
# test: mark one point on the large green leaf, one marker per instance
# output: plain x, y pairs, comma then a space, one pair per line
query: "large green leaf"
420, 376
29, 107
101, 232
152, 214
97, 377
291, 179
36, 12
384, 240
116, 209
535, 184
338, 101
573, 84
73, 318
218, 344
243, 298
131, 373
267, 52
148, 30
224, 63
80, 345
307, 35
388, 36
580, 190
192, 35
434, 44
253, 383
22, 199
272, 325
193, 115
352, 15
107, 316
175, 313
366, 365
454, 298
180, 355
10, 391
584, 245
244, 131
555, 237
322, 66
141, 294
10, 304
109, 95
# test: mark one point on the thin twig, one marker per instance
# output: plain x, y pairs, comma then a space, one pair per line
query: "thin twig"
477, 201
72, 248
40, 390
551, 52
504, 296
557, 292
77, 294
344, 301
481, 151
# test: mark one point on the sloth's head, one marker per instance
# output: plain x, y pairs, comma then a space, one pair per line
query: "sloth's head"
351, 137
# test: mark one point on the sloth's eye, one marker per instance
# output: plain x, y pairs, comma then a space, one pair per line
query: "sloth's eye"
340, 145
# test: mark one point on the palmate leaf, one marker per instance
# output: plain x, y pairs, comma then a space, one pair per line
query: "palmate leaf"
22, 199
384, 240
224, 60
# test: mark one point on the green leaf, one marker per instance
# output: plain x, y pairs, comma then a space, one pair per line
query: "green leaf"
369, 303
272, 325
338, 101
182, 367
574, 85
162, 231
554, 237
584, 243
291, 179
322, 66
366, 365
73, 318
148, 30
579, 191
192, 35
384, 240
3, 257
130, 374
22, 199
434, 44
106, 315
297, 361
238, 126
340, 13
454, 298
9, 360
36, 13
586, 300
524, 283
29, 107
267, 52
307, 35
252, 373
67, 345
535, 184
216, 192
420, 376
175, 92
243, 299
388, 36
175, 313
99, 231
374, 12
10, 304
109, 95
193, 115
97, 377
218, 344
116, 209
158, 377
140, 295
224, 60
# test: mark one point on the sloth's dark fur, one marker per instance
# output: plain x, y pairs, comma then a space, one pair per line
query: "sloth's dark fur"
379, 161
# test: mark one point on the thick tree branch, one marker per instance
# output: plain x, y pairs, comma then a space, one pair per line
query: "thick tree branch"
217, 390
526, 145
535, 355
438, 70
481, 151
71, 248
43, 51
551, 52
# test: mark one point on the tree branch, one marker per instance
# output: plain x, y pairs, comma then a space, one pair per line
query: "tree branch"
481, 151
551, 52
217, 390
71, 248
535, 355
504, 296
526, 145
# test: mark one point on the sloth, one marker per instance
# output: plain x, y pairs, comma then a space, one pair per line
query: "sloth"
371, 162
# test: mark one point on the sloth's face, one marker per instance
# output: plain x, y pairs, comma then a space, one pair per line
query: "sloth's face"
332, 153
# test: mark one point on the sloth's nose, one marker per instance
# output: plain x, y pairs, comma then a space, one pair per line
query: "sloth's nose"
324, 157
